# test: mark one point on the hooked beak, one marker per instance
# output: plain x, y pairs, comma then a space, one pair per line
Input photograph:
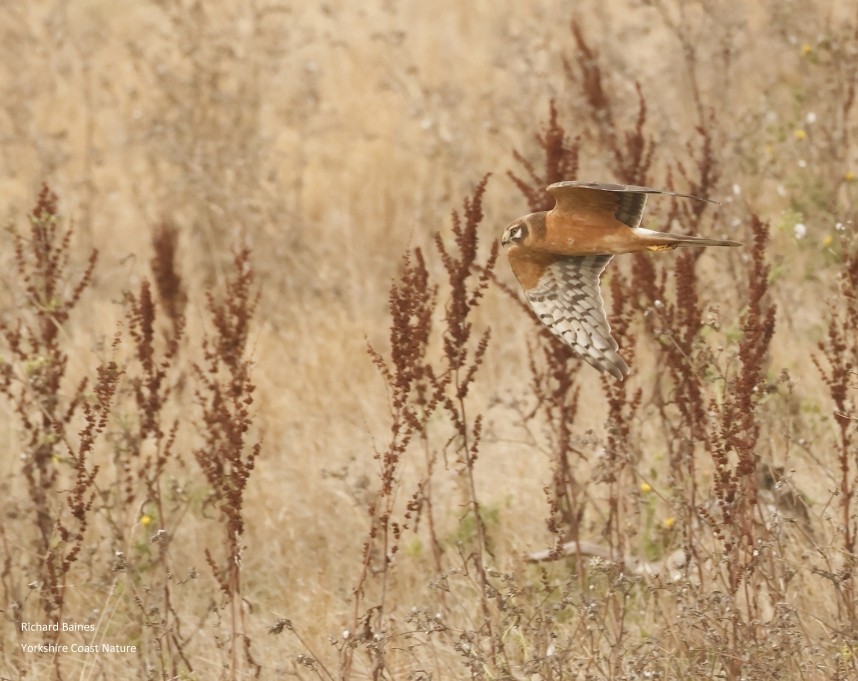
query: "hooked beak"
506, 237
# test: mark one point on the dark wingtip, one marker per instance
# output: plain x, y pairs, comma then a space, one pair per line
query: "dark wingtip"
617, 369
695, 197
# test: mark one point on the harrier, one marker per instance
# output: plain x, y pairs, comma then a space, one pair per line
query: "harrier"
558, 257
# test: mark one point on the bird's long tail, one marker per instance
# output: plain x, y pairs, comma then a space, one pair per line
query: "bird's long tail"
661, 241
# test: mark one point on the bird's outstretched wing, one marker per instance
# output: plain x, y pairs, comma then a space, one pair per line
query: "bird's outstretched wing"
623, 202
567, 299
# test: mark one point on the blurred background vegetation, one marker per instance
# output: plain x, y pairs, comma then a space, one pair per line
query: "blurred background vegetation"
202, 458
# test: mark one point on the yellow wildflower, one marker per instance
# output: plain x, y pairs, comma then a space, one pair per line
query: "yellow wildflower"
827, 240
849, 176
669, 522
646, 488
806, 49
145, 520
799, 133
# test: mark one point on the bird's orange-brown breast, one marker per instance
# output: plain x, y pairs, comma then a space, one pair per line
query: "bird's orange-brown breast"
529, 264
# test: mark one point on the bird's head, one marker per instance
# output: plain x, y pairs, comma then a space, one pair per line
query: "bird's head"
518, 231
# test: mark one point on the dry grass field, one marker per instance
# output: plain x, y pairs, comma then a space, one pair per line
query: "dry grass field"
272, 406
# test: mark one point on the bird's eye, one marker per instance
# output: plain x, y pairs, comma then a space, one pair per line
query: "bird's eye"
514, 233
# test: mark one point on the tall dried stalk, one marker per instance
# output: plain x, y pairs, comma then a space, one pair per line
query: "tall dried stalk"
838, 367
225, 395
553, 366
415, 389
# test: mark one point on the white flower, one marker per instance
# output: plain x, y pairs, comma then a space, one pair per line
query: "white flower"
800, 230
810, 118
